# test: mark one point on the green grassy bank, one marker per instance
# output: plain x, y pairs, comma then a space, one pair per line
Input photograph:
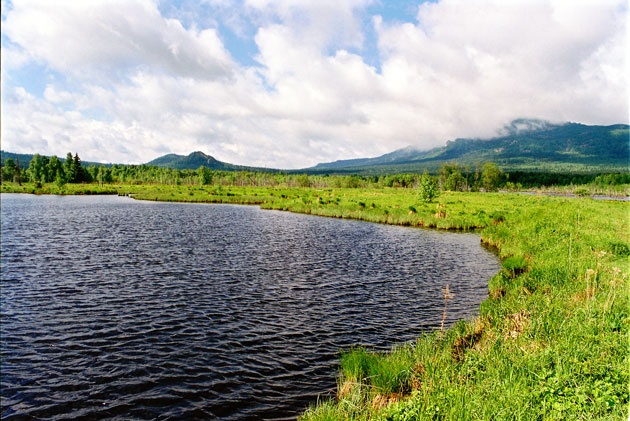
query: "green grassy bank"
550, 342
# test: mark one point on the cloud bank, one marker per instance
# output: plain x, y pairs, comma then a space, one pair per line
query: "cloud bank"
290, 83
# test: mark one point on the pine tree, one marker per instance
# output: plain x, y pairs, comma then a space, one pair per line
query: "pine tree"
77, 169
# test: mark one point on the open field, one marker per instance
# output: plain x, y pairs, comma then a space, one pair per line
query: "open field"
551, 341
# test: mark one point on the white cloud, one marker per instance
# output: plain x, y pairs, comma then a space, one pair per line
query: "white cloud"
315, 24
31, 125
478, 67
107, 39
131, 84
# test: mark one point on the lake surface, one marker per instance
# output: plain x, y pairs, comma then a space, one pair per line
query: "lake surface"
116, 309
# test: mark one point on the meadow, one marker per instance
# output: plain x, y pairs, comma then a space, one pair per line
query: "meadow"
550, 341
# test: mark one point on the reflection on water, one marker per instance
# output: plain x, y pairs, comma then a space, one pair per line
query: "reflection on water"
114, 308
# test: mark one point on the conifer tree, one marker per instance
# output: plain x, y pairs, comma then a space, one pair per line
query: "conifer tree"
77, 169
68, 169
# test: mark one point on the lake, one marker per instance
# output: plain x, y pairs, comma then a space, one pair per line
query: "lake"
115, 309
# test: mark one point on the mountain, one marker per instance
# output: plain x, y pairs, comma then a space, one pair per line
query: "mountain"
196, 160
192, 161
393, 158
522, 145
25, 159
398, 157
530, 145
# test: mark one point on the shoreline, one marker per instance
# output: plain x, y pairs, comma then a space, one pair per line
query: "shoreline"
557, 307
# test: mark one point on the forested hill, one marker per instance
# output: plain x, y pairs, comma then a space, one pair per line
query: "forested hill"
180, 162
196, 160
525, 145
24, 159
192, 161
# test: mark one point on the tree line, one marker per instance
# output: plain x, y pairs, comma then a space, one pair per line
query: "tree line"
450, 177
43, 169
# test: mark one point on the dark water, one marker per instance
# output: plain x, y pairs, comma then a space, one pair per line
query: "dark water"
118, 309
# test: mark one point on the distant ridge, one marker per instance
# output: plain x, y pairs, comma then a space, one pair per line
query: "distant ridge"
196, 160
522, 145
525, 145
192, 161
25, 158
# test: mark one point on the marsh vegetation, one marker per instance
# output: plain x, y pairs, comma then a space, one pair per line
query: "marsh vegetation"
550, 341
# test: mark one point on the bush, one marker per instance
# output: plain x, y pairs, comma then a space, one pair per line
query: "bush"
428, 187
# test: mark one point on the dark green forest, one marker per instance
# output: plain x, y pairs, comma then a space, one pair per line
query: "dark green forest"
451, 176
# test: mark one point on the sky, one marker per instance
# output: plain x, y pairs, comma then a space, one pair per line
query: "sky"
292, 83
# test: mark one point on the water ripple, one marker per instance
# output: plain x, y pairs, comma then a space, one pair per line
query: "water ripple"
117, 309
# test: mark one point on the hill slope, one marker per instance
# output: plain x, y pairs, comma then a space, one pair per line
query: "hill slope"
522, 145
24, 159
192, 161
196, 160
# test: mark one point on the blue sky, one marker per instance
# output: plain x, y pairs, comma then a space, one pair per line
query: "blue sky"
290, 83
237, 32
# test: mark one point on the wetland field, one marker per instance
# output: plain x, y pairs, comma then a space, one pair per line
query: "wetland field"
549, 340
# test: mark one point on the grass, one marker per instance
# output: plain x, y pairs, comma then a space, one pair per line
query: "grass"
551, 340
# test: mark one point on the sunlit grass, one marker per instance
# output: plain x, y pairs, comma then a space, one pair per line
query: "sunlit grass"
550, 342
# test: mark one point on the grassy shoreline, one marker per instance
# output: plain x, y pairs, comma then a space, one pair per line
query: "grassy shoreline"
551, 340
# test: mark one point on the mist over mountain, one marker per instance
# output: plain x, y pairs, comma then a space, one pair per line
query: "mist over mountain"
524, 144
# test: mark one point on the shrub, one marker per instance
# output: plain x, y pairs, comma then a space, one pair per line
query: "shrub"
428, 187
